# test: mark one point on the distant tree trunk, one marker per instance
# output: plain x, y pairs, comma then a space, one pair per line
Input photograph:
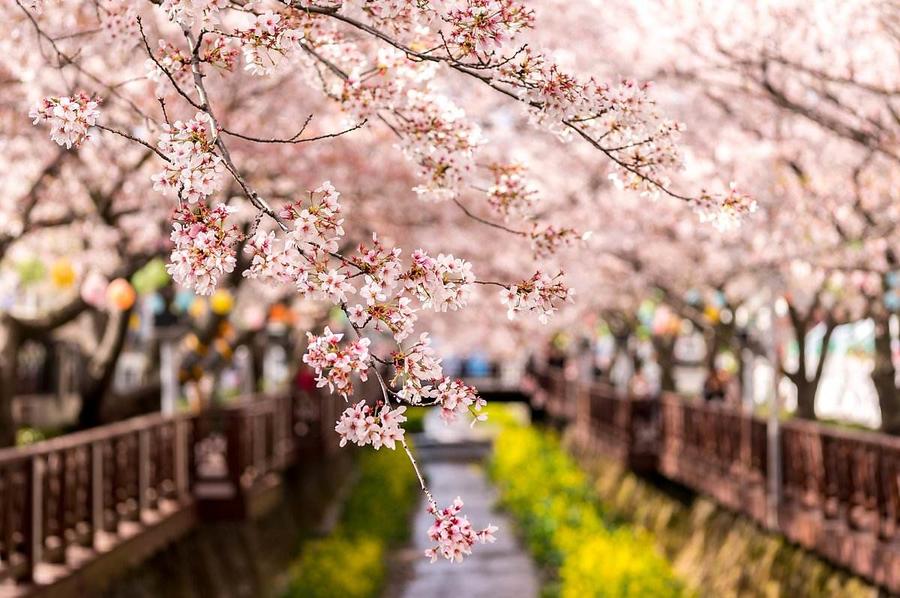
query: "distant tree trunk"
8, 378
884, 376
665, 358
712, 348
100, 369
807, 386
806, 397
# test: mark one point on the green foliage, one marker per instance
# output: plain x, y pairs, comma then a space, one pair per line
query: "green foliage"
152, 277
564, 527
350, 563
26, 436
415, 420
31, 270
382, 497
618, 564
339, 566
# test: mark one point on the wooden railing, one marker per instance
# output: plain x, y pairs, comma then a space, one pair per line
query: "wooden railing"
626, 427
75, 491
716, 450
839, 490
68, 500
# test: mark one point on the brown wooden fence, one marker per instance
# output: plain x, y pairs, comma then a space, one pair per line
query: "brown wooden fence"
127, 487
840, 489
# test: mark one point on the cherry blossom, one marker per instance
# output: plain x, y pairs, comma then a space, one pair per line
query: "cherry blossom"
481, 26
414, 368
270, 258
193, 170
540, 293
547, 240
387, 66
453, 534
725, 211
511, 191
334, 365
362, 424
455, 397
397, 316
319, 223
436, 135
267, 42
119, 21
69, 117
190, 12
440, 283
204, 247
172, 63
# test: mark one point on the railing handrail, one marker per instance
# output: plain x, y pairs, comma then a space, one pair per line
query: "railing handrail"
90, 436
865, 436
126, 426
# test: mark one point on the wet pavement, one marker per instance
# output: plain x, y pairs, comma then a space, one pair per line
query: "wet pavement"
499, 570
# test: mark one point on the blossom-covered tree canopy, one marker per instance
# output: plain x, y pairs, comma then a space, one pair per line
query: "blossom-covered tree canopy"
415, 163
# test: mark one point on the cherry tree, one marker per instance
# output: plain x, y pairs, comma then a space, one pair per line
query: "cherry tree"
219, 94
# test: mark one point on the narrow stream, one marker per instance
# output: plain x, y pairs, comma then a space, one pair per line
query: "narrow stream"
452, 462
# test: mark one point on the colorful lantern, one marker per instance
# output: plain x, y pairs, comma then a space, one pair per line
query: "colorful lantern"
31, 270
120, 294
221, 302
62, 274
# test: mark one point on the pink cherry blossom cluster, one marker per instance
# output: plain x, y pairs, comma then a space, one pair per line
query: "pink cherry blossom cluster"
318, 224
119, 21
269, 259
190, 12
510, 192
480, 27
540, 293
334, 365
398, 12
309, 259
367, 90
454, 534
268, 40
382, 269
725, 210
547, 240
69, 117
362, 424
193, 170
216, 51
620, 117
414, 369
441, 283
438, 137
397, 316
204, 247
172, 61
330, 285
306, 257
455, 397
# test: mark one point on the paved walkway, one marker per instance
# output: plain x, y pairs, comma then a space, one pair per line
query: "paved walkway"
499, 570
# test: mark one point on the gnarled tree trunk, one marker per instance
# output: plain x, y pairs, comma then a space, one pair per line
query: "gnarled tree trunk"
101, 368
9, 350
665, 358
884, 376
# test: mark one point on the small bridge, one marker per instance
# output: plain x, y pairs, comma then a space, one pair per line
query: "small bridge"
76, 510
838, 491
